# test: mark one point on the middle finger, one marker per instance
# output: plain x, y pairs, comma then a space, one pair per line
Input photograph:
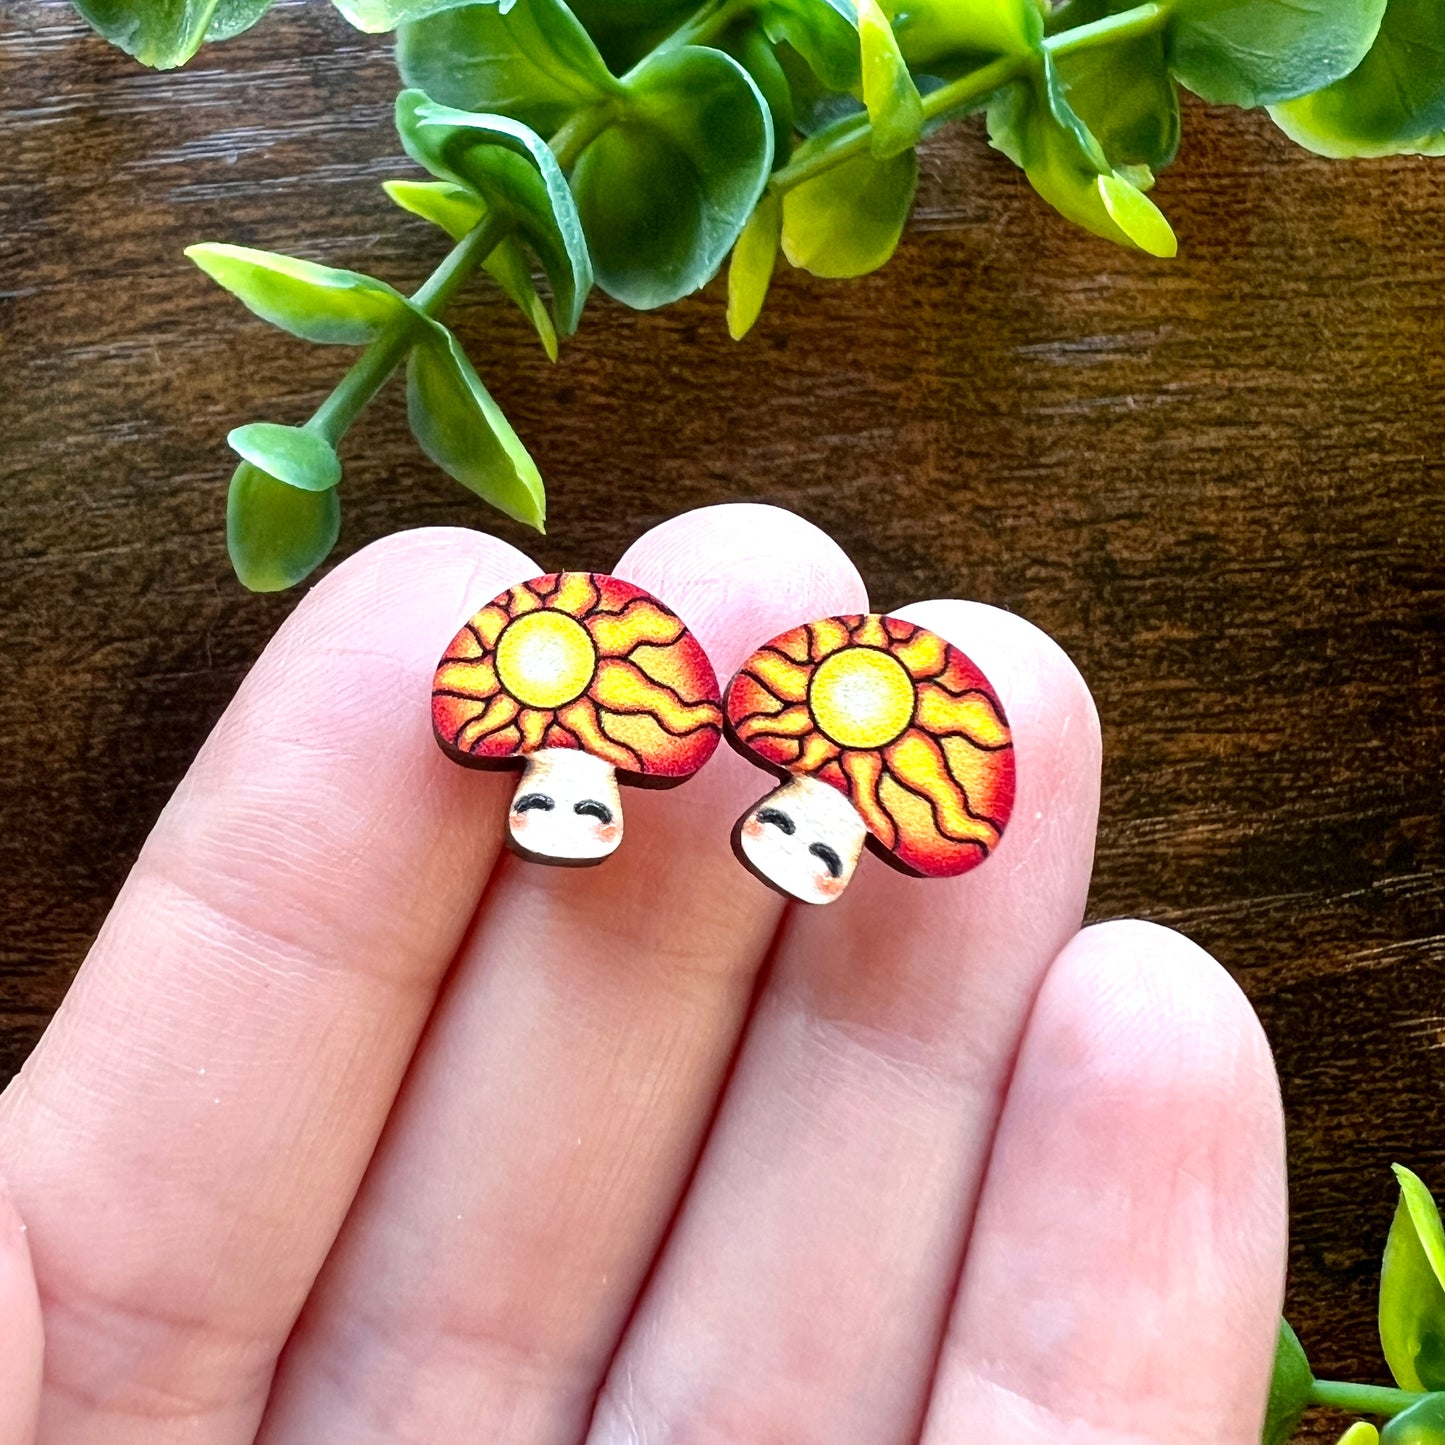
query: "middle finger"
558, 1100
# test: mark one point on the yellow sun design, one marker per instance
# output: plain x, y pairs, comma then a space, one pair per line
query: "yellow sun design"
546, 659
861, 697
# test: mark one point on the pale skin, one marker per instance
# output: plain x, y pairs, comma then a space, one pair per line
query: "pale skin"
358, 1128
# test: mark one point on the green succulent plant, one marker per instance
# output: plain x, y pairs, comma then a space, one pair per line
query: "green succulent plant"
1412, 1334
636, 145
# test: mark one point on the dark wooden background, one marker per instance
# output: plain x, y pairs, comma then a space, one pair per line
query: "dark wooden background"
1217, 481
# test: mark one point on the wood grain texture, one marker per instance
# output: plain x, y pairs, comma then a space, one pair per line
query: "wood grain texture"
1217, 481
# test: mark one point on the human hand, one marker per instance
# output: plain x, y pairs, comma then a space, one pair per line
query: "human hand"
355, 1128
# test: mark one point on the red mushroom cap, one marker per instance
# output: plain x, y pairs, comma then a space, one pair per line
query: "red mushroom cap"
895, 718
578, 660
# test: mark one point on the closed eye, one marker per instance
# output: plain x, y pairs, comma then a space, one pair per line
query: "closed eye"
590, 808
777, 818
830, 860
533, 800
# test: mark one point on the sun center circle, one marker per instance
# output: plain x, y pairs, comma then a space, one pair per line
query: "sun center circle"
861, 697
545, 658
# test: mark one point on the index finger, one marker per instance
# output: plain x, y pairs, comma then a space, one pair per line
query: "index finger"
188, 1135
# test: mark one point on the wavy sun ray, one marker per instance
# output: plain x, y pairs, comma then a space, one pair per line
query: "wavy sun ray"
974, 716
919, 764
641, 623
482, 728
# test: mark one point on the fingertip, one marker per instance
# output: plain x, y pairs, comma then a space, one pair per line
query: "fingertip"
740, 573
1154, 1042
1127, 1261
1141, 1001
449, 570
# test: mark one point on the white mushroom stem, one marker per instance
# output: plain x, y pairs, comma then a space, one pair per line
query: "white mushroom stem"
566, 808
804, 839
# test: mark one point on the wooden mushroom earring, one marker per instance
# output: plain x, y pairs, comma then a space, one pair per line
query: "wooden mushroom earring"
576, 677
883, 733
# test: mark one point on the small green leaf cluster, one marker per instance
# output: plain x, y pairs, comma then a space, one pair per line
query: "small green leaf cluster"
643, 143
1412, 1335
500, 194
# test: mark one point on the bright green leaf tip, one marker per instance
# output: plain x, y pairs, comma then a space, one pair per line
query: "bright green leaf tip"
751, 271
1412, 1289
1138, 217
1360, 1433
894, 105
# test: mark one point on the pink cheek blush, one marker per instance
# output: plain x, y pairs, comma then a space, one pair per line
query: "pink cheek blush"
752, 828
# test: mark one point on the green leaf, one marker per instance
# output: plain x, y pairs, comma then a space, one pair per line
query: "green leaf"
159, 33
894, 106
531, 61
847, 221
464, 432
751, 49
825, 35
943, 35
625, 30
1393, 102
507, 266
167, 33
814, 106
665, 191
516, 176
1422, 1424
751, 270
458, 210
231, 17
1360, 1433
1256, 53
277, 534
1032, 124
291, 454
1068, 119
1136, 215
1412, 1289
377, 16
1289, 1388
316, 303
1123, 92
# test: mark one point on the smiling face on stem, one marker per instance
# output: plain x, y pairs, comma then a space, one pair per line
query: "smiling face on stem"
566, 808
804, 839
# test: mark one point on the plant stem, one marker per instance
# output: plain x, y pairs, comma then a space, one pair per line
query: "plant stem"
376, 364
1362, 1399
579, 130
703, 27
853, 137
1126, 24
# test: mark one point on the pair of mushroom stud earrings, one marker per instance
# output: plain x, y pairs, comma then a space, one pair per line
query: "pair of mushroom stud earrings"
881, 732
